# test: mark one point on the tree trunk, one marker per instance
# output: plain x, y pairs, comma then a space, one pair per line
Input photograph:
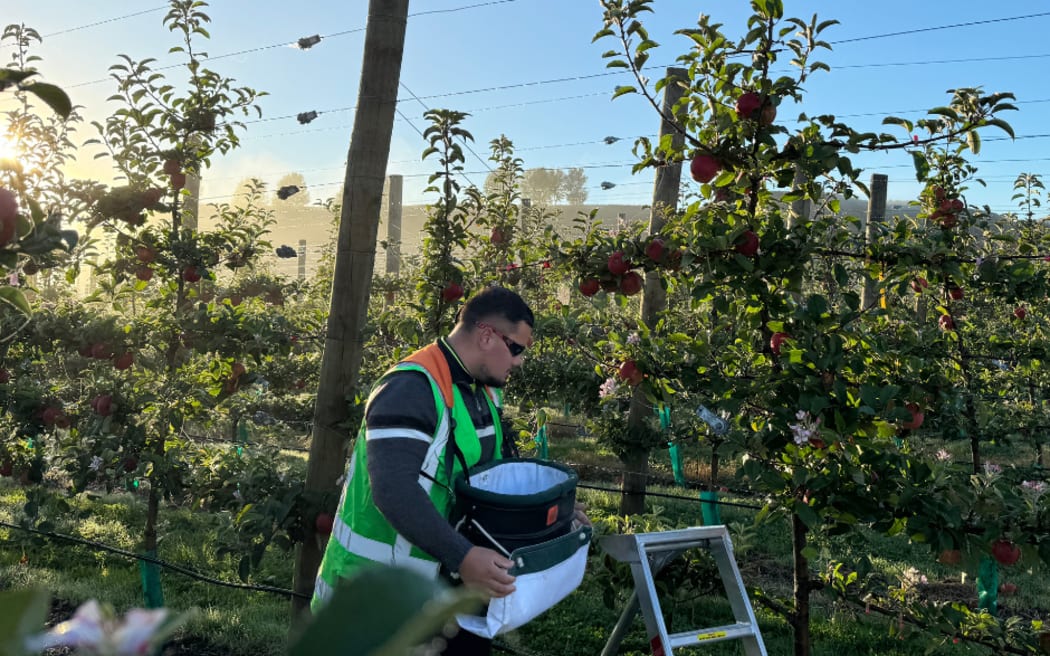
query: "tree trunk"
632, 491
800, 618
354, 263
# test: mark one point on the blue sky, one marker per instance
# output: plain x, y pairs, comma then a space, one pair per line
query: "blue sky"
499, 61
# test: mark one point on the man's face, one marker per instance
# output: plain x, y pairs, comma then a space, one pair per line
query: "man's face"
497, 339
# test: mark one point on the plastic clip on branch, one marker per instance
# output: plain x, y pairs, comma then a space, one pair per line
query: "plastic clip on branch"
719, 426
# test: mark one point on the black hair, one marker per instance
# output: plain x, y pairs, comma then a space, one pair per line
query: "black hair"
495, 302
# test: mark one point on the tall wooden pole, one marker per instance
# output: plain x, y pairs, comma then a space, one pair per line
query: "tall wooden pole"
354, 262
394, 192
876, 215
654, 300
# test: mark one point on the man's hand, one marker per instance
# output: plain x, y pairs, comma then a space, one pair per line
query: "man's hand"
580, 517
486, 570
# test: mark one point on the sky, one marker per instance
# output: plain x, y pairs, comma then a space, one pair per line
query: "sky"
527, 69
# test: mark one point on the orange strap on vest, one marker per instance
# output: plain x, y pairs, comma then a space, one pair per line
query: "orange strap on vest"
433, 360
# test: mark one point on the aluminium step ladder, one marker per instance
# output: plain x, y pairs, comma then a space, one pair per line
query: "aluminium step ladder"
647, 554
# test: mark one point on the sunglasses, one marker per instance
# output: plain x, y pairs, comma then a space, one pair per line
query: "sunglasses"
515, 348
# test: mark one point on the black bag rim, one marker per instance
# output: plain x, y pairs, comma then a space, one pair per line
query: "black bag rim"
467, 491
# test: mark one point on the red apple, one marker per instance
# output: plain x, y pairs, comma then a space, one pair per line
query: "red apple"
1007, 589
145, 254
237, 370
323, 523
151, 197
747, 244
747, 104
7, 468
956, 293
1005, 551
452, 292
704, 168
631, 283
589, 286
172, 166
918, 284
946, 322
191, 274
776, 341
5, 376
497, 236
1020, 312
50, 415
629, 372
917, 417
131, 463
102, 405
950, 557
144, 273
178, 181
617, 265
124, 360
655, 250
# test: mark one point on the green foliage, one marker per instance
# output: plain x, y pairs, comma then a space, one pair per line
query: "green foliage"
384, 611
22, 614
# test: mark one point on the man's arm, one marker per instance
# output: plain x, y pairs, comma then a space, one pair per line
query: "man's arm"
400, 423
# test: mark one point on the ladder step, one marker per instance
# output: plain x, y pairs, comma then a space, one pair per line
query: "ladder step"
715, 634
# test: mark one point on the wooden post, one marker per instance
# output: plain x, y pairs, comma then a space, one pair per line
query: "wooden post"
191, 203
302, 260
799, 208
394, 192
654, 299
876, 215
354, 265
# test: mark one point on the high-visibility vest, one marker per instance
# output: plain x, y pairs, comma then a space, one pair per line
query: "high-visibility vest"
361, 535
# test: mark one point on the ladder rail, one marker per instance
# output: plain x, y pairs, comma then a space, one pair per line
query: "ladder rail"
647, 554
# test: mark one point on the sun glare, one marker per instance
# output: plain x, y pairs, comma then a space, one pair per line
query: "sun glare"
8, 149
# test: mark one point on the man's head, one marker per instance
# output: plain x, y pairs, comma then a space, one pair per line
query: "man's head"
493, 331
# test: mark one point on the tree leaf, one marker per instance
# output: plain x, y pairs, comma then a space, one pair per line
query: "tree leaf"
922, 167
16, 298
55, 98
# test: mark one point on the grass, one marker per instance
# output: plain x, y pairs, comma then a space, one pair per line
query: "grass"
257, 624
243, 622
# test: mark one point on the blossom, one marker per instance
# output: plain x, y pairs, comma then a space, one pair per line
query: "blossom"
98, 630
96, 464
1036, 487
633, 338
991, 468
806, 429
943, 455
608, 388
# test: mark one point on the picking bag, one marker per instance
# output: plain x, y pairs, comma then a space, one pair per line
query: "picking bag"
524, 509
515, 502
546, 573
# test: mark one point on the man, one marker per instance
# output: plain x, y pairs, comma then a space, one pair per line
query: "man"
433, 413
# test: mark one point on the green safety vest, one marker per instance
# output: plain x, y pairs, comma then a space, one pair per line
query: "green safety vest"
361, 535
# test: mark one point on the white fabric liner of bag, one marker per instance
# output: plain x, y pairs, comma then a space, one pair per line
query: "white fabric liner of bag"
517, 478
546, 573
